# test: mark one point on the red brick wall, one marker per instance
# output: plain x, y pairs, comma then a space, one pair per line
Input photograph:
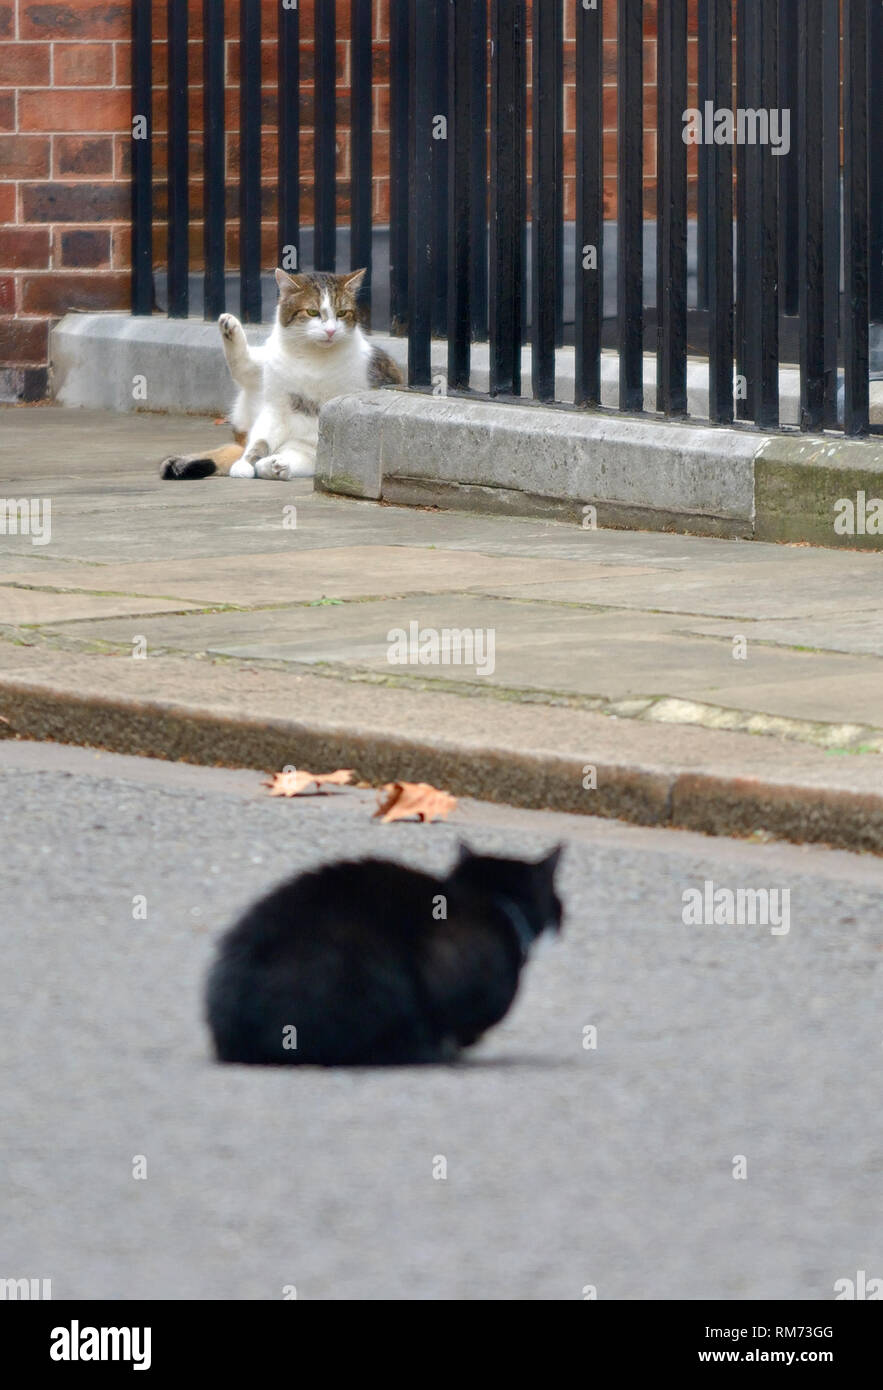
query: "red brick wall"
65, 112
64, 199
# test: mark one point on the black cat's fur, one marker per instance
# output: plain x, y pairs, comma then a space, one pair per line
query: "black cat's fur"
357, 958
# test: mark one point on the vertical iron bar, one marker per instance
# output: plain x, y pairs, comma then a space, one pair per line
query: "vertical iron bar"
767, 404
747, 59
250, 160
630, 210
811, 220
460, 224
288, 60
508, 195
479, 196
179, 161
832, 200
790, 86
399, 161
440, 171
361, 122
589, 269
142, 158
758, 213
325, 241
855, 215
420, 296
558, 13
544, 221
720, 224
671, 215
214, 183
705, 192
875, 162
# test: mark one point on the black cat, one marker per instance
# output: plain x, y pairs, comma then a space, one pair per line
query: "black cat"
369, 964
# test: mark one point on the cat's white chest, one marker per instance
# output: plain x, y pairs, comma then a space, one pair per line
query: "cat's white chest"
317, 376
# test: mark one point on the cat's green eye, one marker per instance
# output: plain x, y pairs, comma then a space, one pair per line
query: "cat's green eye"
313, 313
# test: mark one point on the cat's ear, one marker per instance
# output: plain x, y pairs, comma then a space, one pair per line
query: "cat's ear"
353, 281
464, 852
550, 863
288, 284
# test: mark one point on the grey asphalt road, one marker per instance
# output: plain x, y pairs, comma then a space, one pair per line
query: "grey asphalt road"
568, 1167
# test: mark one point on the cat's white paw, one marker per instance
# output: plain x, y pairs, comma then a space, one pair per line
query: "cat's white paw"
241, 469
231, 328
275, 466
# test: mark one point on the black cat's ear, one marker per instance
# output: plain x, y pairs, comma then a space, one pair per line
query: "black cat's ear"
550, 863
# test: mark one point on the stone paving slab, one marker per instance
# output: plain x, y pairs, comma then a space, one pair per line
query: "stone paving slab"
537, 647
341, 572
27, 606
827, 688
741, 590
858, 632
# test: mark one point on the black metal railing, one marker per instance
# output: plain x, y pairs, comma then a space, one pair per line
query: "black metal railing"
787, 249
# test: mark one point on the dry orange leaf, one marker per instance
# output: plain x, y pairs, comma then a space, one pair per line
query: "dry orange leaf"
397, 800
295, 783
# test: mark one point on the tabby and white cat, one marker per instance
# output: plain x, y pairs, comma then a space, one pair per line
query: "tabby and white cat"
316, 351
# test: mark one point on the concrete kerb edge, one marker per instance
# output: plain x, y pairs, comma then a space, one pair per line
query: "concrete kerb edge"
801, 479
657, 475
670, 797
633, 470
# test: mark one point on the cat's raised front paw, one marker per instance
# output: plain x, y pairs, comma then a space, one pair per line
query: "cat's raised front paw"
230, 328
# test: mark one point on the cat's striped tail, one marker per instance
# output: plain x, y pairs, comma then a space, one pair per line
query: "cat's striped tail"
188, 467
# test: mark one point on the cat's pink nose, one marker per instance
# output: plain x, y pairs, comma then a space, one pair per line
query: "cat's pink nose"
330, 331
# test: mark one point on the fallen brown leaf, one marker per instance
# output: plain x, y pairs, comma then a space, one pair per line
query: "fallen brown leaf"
295, 783
397, 800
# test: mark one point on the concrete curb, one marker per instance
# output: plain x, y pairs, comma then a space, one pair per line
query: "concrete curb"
800, 480
637, 473
410, 448
678, 798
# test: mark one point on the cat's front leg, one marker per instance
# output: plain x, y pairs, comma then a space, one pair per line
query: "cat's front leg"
256, 450
262, 449
245, 370
265, 437
291, 461
242, 469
